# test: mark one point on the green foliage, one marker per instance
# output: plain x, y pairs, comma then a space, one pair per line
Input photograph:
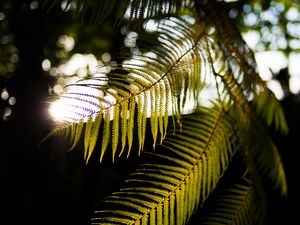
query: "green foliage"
239, 200
170, 80
179, 176
273, 22
197, 49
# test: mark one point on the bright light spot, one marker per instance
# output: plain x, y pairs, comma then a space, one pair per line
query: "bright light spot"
269, 16
78, 61
151, 26
67, 42
273, 60
7, 112
54, 71
150, 55
252, 38
57, 110
189, 19
294, 83
106, 57
275, 86
292, 14
82, 72
294, 44
207, 96
250, 19
293, 29
130, 40
4, 94
2, 16
294, 65
12, 100
61, 81
46, 65
73, 107
33, 5
65, 5
58, 89
104, 69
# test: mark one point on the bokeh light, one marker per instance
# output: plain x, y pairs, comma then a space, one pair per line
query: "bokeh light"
4, 94
8, 102
273, 32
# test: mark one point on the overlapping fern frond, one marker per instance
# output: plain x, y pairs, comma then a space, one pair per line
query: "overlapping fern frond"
254, 105
113, 110
238, 201
169, 186
237, 68
251, 114
157, 86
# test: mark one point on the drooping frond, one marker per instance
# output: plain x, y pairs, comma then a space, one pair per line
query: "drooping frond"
238, 82
269, 109
238, 55
166, 82
265, 156
170, 185
236, 66
253, 134
239, 201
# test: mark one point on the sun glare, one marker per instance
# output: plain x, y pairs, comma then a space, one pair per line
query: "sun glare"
79, 102
57, 111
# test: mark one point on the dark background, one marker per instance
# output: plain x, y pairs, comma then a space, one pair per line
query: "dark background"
46, 184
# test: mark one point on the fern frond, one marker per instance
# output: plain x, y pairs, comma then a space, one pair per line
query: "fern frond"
188, 170
270, 110
266, 157
239, 69
240, 200
237, 52
235, 69
143, 86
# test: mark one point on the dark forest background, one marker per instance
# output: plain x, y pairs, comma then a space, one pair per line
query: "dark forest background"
44, 183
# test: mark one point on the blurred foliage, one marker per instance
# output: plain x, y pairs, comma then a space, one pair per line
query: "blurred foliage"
274, 23
8, 61
8, 51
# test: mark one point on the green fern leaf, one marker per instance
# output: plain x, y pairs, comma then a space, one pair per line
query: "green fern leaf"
268, 107
240, 201
150, 86
115, 131
91, 135
106, 133
184, 179
267, 159
238, 77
